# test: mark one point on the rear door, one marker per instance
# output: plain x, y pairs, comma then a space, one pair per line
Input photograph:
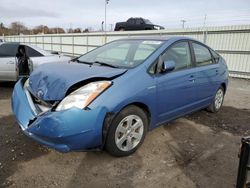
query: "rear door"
139, 24
207, 73
130, 24
35, 58
8, 71
176, 90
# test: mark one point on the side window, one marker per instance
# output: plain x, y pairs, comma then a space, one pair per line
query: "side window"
138, 21
202, 55
180, 54
153, 68
32, 53
131, 21
8, 50
216, 56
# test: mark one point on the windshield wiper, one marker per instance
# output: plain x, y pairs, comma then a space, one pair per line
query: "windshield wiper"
105, 64
85, 62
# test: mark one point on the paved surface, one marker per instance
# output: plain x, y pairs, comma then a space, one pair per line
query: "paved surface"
199, 150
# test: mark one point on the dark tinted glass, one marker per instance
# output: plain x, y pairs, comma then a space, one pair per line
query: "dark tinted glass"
32, 53
8, 50
131, 21
139, 21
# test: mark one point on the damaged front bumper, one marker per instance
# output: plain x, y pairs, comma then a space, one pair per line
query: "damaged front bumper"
72, 129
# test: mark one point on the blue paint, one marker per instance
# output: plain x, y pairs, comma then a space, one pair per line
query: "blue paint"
54, 77
166, 96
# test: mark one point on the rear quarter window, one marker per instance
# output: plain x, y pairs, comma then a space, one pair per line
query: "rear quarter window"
215, 55
202, 55
33, 53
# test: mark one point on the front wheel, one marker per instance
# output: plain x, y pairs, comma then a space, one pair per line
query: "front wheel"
127, 131
216, 105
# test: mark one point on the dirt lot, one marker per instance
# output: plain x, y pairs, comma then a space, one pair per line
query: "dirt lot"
199, 150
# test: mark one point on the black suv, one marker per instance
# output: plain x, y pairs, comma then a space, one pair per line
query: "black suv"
136, 24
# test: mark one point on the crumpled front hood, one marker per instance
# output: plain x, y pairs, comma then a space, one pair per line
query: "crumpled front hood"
50, 82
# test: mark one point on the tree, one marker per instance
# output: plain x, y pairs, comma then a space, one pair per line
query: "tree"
86, 30
56, 30
70, 30
77, 30
18, 28
41, 29
1, 28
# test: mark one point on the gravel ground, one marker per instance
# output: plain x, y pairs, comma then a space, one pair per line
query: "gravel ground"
199, 150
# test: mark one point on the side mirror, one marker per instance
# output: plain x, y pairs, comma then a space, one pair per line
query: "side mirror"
168, 66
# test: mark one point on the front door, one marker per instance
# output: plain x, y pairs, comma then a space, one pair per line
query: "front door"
8, 61
176, 90
8, 69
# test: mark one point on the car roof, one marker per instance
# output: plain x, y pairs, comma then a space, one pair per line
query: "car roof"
162, 38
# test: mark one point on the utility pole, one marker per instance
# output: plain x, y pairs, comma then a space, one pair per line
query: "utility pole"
183, 23
71, 29
204, 30
105, 26
102, 26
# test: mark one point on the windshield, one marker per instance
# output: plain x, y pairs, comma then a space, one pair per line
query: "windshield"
122, 53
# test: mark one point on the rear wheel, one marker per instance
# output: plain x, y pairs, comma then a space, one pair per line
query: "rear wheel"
216, 105
127, 131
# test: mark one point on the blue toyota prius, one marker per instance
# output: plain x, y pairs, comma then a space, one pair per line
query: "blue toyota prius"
110, 97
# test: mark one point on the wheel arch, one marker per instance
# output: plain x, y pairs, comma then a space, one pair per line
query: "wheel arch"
143, 106
110, 116
224, 86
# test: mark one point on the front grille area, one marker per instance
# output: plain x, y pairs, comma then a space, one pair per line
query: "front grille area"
38, 106
41, 105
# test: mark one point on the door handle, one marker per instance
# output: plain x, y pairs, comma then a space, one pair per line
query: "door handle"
10, 62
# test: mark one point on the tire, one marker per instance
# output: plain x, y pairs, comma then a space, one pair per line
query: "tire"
123, 137
218, 99
121, 29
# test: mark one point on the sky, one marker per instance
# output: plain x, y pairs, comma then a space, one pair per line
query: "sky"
84, 14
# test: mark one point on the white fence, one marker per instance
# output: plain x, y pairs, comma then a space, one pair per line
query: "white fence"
232, 42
